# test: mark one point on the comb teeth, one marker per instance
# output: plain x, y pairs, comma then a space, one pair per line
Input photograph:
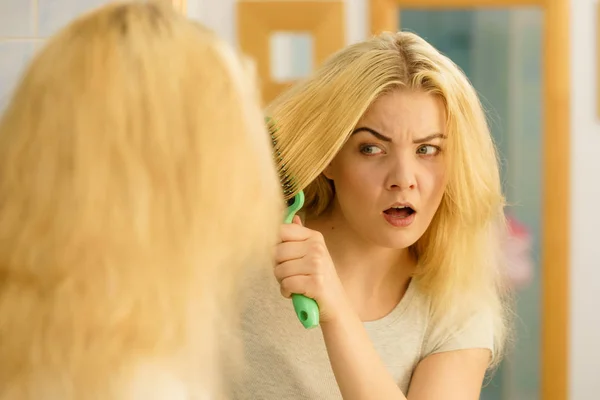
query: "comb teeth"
287, 182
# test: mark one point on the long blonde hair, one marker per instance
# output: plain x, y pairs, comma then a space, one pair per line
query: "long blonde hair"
459, 255
136, 183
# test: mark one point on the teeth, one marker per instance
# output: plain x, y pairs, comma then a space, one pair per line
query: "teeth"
399, 207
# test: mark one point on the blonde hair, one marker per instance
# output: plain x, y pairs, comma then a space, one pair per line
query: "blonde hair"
459, 255
136, 183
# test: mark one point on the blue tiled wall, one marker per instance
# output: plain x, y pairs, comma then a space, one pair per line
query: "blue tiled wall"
23, 26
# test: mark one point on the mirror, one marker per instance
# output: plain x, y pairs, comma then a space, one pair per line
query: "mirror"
500, 51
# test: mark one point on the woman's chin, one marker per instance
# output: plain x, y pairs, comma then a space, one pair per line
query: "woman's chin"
395, 240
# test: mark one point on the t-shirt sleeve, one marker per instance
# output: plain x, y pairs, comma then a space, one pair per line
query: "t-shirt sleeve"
477, 332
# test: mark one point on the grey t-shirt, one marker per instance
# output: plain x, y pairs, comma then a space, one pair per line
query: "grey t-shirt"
285, 361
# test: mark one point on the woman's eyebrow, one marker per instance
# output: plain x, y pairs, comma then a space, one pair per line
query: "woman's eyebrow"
388, 139
428, 138
372, 132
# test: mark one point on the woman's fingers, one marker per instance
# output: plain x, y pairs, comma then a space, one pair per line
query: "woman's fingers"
294, 233
296, 284
291, 268
288, 251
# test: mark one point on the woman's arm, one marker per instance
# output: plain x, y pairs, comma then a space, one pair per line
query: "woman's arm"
453, 375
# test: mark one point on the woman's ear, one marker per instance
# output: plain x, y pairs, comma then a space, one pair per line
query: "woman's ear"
328, 172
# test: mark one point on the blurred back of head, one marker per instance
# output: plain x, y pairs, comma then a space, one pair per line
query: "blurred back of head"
136, 182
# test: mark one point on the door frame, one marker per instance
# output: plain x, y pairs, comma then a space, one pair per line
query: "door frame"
180, 5
555, 229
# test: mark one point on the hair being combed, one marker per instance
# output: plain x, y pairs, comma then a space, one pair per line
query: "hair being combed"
460, 261
136, 184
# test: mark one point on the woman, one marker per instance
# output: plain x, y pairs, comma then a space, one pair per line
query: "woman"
400, 244
132, 155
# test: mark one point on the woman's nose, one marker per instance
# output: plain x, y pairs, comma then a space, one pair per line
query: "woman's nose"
401, 175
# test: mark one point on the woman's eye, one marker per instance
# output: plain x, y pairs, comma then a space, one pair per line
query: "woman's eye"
428, 150
370, 150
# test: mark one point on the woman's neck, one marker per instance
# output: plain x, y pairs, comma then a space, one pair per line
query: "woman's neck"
369, 273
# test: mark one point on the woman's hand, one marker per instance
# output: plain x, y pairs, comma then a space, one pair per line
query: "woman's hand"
304, 266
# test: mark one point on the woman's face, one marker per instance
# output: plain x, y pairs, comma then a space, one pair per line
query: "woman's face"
389, 177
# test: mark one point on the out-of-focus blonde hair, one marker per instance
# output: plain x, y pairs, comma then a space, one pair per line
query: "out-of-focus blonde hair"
136, 181
459, 255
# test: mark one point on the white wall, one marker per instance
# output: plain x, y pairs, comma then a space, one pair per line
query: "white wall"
585, 205
219, 15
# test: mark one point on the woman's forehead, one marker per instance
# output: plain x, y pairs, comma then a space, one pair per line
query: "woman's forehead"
406, 110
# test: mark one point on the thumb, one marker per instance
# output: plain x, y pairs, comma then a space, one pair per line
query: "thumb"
296, 220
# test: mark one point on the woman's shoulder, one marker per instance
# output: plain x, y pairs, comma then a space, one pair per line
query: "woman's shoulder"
458, 328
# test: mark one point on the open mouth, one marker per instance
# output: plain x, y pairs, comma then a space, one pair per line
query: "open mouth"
399, 212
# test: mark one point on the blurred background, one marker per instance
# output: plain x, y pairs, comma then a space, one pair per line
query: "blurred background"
534, 64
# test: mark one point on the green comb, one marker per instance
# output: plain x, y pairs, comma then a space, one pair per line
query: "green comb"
306, 308
294, 205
